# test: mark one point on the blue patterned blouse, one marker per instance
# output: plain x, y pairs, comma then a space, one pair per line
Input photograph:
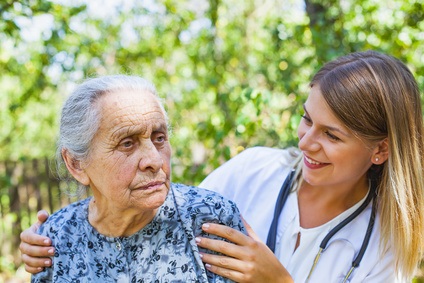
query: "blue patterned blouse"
163, 251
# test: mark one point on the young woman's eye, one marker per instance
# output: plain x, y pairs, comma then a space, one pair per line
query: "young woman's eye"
307, 119
331, 136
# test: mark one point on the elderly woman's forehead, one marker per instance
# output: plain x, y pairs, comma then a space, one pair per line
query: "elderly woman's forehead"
131, 92
123, 98
125, 105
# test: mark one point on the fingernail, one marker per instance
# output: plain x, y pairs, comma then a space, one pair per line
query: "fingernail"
201, 256
205, 226
39, 268
197, 239
47, 262
46, 241
51, 251
208, 266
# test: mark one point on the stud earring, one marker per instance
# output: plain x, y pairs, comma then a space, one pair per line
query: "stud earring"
376, 159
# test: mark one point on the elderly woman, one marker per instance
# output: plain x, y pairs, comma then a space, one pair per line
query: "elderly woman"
137, 226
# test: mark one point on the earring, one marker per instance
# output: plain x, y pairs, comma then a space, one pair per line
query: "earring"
376, 159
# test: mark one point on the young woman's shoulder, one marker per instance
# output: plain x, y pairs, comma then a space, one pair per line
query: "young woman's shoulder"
261, 152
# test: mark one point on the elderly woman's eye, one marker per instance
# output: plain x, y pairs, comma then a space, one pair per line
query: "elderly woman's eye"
159, 138
127, 144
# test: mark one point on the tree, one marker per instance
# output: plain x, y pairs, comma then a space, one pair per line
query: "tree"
230, 77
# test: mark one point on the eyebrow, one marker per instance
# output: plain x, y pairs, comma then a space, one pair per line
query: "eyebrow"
334, 129
160, 127
134, 130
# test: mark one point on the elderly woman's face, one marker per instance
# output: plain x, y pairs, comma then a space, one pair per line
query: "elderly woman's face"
129, 163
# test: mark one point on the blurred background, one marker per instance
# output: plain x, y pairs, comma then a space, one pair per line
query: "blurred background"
233, 74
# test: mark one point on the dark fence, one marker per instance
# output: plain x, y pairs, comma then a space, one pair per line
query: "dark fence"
26, 186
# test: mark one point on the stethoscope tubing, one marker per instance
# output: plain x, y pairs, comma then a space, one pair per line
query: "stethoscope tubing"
281, 200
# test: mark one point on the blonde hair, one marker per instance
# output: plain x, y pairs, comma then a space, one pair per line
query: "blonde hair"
377, 97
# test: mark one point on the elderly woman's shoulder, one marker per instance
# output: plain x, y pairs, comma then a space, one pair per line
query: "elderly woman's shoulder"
71, 214
193, 193
197, 206
199, 197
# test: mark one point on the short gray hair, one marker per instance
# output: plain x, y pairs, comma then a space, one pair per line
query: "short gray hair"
80, 118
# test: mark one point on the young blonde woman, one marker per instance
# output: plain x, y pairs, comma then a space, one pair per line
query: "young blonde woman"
346, 206
354, 211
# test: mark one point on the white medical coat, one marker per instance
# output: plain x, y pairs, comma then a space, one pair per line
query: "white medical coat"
253, 180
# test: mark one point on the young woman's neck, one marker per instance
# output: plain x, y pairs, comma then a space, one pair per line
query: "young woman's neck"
318, 205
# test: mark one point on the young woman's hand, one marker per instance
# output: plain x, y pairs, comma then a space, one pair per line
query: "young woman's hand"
247, 258
36, 250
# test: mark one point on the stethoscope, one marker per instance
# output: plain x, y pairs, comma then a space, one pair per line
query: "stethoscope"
281, 200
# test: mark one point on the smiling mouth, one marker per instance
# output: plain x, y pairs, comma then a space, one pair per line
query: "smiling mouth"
313, 162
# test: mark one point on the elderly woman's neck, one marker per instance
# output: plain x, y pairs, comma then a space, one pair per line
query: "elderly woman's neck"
113, 223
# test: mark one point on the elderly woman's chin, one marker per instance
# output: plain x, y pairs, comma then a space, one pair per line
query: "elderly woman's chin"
149, 197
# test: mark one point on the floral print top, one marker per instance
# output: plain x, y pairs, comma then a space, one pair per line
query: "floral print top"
163, 251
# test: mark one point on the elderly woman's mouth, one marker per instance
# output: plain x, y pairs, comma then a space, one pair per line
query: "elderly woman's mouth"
150, 186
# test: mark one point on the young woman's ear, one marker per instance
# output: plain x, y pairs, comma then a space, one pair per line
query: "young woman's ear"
75, 168
381, 152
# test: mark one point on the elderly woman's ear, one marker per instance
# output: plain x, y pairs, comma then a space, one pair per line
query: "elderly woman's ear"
75, 168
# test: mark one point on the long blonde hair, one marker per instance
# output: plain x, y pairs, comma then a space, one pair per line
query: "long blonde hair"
377, 97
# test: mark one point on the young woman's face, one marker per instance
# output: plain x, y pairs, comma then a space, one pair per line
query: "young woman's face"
333, 155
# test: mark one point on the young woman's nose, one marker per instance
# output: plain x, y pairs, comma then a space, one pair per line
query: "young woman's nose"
151, 158
309, 140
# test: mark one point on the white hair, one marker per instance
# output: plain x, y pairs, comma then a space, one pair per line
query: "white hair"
80, 117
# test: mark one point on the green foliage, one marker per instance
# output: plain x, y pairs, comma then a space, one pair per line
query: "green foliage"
233, 74
230, 78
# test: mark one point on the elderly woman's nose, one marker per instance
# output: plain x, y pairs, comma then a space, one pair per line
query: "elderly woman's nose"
151, 159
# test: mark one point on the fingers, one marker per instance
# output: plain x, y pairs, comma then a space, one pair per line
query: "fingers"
35, 264
216, 245
226, 232
238, 252
33, 270
244, 259
220, 261
35, 257
29, 236
42, 216
35, 251
224, 266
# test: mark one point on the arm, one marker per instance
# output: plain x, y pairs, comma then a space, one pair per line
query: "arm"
249, 260
35, 249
